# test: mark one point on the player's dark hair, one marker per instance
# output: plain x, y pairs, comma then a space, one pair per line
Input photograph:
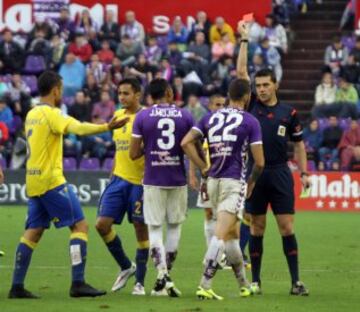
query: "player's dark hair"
266, 72
157, 89
133, 82
47, 81
238, 89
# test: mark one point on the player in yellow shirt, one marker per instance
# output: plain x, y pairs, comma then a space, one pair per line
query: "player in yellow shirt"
124, 195
50, 197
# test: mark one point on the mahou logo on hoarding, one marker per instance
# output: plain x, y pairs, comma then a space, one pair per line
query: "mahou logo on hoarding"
330, 191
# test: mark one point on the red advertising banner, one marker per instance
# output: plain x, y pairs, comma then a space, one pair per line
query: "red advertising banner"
156, 15
330, 191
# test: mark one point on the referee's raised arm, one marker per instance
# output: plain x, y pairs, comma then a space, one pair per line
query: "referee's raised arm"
241, 64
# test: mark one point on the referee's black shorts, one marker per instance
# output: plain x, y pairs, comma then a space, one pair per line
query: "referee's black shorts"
274, 187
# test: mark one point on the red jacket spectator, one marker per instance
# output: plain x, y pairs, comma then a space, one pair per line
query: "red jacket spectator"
106, 55
4, 133
350, 139
81, 48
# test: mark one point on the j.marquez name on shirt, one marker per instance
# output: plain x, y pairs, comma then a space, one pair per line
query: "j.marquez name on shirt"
165, 112
165, 159
33, 172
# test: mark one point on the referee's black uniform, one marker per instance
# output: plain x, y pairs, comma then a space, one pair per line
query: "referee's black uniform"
279, 124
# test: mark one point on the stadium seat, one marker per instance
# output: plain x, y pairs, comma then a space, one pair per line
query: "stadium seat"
204, 101
31, 82
69, 164
68, 100
16, 125
323, 123
344, 123
311, 166
162, 42
3, 163
92, 164
35, 64
108, 164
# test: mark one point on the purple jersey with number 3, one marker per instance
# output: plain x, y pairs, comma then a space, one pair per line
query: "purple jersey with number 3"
229, 133
162, 127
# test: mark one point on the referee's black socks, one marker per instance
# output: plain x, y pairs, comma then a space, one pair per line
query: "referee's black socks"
291, 252
256, 251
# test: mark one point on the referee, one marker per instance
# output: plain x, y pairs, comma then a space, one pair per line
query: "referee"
279, 124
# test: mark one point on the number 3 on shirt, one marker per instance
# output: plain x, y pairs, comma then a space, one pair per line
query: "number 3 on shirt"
28, 151
167, 133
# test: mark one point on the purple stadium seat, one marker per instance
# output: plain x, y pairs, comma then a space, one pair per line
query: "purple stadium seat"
345, 123
69, 164
3, 163
91, 164
323, 123
204, 101
311, 166
108, 164
6, 78
31, 82
35, 64
16, 124
68, 100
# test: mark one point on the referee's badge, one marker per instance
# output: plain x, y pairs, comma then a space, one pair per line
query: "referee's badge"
281, 130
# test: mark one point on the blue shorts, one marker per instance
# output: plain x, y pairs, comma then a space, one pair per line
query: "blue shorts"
59, 205
121, 197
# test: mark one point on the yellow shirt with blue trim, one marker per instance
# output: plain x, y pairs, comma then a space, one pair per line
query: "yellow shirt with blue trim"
124, 167
44, 129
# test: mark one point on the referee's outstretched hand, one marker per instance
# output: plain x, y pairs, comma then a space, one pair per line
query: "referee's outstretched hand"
305, 181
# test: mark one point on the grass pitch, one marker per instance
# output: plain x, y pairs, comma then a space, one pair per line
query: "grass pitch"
329, 263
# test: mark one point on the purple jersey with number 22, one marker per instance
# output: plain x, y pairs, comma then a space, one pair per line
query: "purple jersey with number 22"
162, 127
229, 132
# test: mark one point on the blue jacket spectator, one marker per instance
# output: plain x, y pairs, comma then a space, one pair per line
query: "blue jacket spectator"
6, 115
73, 74
178, 32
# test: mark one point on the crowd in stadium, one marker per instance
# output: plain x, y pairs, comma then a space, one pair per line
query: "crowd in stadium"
199, 62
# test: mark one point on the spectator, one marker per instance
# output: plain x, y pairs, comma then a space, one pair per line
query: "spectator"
276, 34
336, 55
85, 24
6, 115
178, 33
349, 141
256, 32
81, 109
72, 147
153, 52
11, 54
165, 71
173, 55
66, 27
348, 17
179, 91
197, 57
106, 55
105, 108
91, 90
216, 102
4, 138
132, 28
325, 94
351, 70
40, 46
142, 69
195, 108
281, 12
97, 145
41, 25
220, 27
221, 74
19, 95
128, 50
331, 138
257, 64
73, 74
110, 30
346, 99
201, 24
271, 56
222, 47
356, 51
355, 161
313, 139
81, 48
4, 89
116, 72
57, 52
97, 69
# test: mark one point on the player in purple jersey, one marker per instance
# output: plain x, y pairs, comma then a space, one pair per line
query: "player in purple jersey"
157, 133
230, 132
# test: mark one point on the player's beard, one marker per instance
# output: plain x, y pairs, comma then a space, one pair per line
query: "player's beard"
58, 103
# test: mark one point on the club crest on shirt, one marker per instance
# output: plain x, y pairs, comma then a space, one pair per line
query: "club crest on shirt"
281, 131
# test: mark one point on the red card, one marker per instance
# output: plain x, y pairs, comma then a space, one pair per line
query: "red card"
248, 17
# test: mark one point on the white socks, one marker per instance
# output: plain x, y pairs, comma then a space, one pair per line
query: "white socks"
209, 229
236, 260
157, 250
